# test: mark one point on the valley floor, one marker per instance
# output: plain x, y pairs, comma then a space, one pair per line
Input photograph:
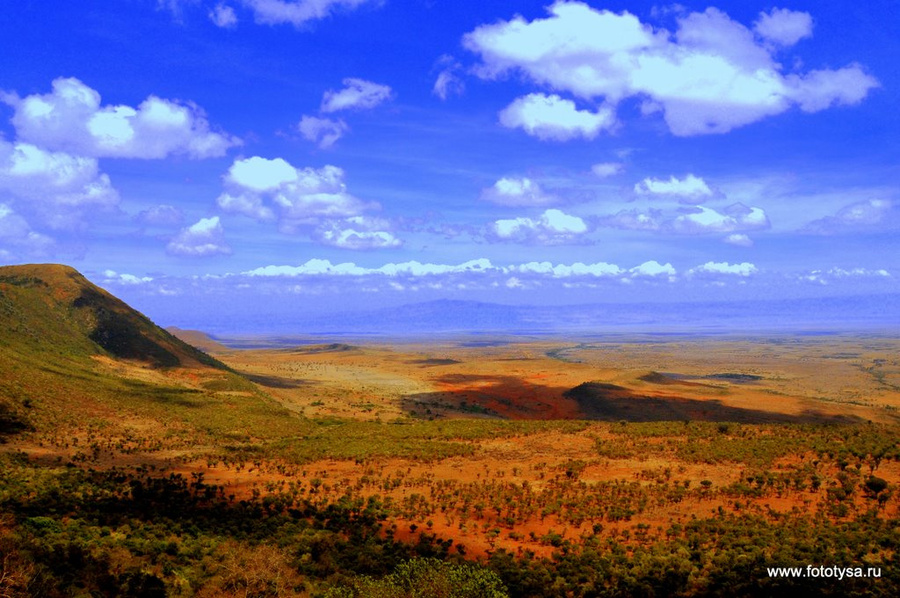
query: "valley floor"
671, 466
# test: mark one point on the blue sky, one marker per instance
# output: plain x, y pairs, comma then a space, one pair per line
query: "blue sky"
335, 154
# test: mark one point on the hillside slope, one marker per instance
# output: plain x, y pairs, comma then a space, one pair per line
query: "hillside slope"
72, 355
53, 308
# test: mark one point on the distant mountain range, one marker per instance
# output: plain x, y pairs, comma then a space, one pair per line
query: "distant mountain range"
868, 314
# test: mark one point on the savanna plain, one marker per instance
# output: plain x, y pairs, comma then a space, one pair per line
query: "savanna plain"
134, 463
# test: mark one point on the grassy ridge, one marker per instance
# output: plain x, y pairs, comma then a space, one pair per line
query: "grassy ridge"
52, 309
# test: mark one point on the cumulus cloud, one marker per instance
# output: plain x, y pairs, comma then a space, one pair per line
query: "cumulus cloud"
297, 12
246, 204
357, 94
71, 119
553, 227
715, 269
297, 198
322, 131
607, 169
550, 117
357, 232
223, 16
17, 239
597, 270
113, 277
349, 238
476, 269
59, 188
690, 189
696, 220
651, 220
161, 215
854, 272
739, 239
784, 27
204, 238
320, 267
448, 81
737, 217
653, 269
711, 75
863, 216
261, 174
824, 277
509, 191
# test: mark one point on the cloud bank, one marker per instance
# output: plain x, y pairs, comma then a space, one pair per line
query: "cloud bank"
711, 75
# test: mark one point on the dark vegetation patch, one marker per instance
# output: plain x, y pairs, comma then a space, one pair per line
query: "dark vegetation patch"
483, 344
433, 361
686, 379
12, 422
329, 348
277, 381
22, 280
495, 395
668, 378
609, 402
119, 335
732, 377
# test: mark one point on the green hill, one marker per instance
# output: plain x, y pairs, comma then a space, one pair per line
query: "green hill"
73, 355
49, 308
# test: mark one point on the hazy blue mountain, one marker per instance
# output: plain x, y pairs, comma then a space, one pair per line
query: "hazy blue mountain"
864, 314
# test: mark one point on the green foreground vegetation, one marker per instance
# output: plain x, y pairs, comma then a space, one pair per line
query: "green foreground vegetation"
68, 531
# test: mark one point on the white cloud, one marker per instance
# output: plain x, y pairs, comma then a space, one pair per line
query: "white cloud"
297, 12
319, 267
223, 16
706, 220
358, 232
744, 269
652, 220
248, 204
739, 239
71, 119
784, 27
58, 187
862, 216
17, 239
654, 269
607, 169
317, 192
357, 94
161, 215
261, 174
710, 76
854, 272
296, 197
322, 131
695, 220
823, 89
448, 82
204, 238
599, 269
477, 267
553, 227
553, 118
825, 277
113, 277
509, 191
692, 188
353, 239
